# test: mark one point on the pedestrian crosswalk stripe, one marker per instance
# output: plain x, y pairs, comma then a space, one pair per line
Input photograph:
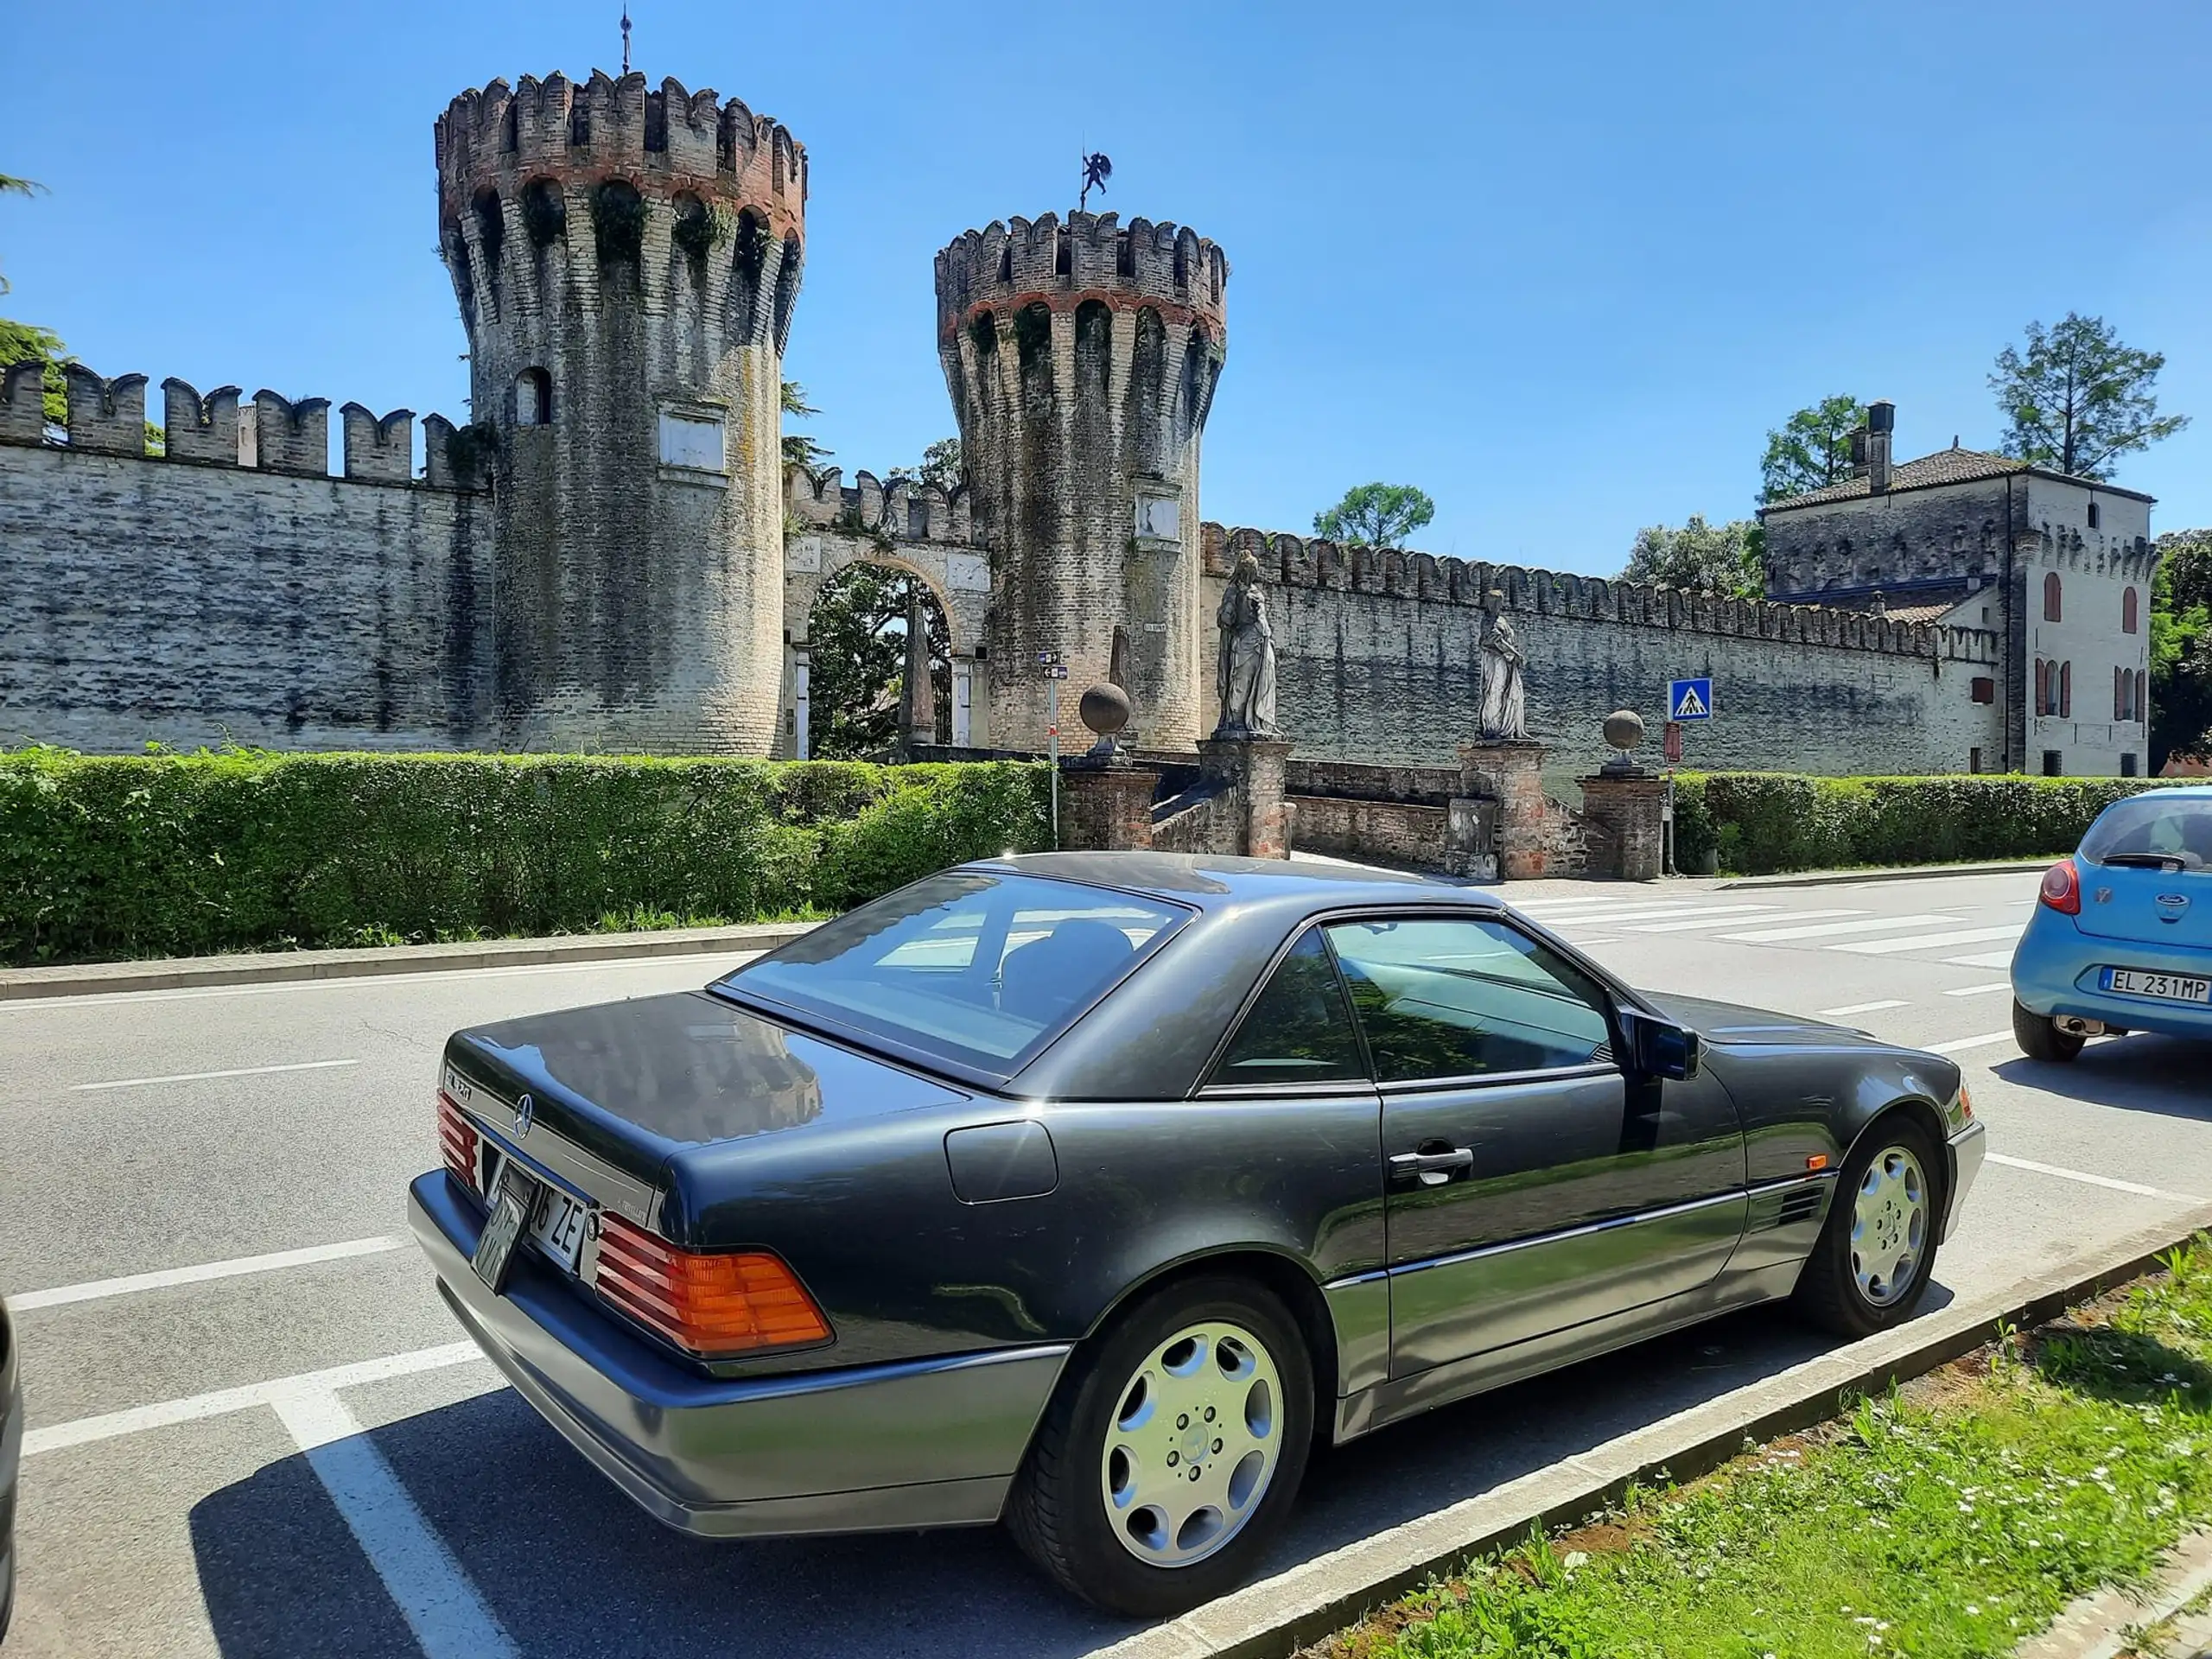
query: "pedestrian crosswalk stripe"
1986, 959
1929, 941
1831, 929
1726, 916
1860, 1007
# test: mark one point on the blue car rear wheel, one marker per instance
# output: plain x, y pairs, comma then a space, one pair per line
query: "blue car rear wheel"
2039, 1038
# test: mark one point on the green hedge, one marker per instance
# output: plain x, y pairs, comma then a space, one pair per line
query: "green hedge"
171, 855
1760, 822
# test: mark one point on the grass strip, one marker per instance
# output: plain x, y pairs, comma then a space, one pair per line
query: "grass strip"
1957, 1516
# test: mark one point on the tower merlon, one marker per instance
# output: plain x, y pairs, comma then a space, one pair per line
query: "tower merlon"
667, 141
1090, 255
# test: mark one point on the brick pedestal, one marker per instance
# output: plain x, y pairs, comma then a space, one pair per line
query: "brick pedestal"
1510, 773
1252, 767
1632, 807
1106, 808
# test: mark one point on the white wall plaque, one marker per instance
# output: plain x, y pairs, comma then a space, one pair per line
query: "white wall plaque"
967, 573
1159, 517
803, 556
693, 441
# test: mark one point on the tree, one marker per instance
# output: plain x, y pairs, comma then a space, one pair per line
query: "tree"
2077, 399
798, 447
941, 465
2181, 647
1811, 450
1701, 558
856, 655
1377, 515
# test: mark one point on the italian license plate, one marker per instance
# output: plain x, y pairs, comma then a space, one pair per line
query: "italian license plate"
2163, 988
516, 1196
552, 1219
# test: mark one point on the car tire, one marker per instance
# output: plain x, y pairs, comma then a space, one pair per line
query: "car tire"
2040, 1039
1888, 1203
1098, 1502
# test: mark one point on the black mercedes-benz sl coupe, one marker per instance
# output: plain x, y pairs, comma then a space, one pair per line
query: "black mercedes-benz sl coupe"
1087, 1190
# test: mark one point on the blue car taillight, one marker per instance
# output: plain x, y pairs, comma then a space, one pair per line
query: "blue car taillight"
2062, 888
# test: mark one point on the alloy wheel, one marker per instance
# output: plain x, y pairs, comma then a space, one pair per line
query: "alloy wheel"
1195, 1438
1888, 1227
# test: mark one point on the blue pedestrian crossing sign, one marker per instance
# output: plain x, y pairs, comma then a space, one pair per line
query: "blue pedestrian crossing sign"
1689, 699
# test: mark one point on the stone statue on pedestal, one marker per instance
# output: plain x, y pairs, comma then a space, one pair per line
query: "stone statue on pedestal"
1505, 705
1245, 674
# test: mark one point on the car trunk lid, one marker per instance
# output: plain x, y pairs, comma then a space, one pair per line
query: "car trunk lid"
2143, 905
632, 1084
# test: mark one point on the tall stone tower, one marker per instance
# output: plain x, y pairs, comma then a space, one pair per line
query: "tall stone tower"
1081, 360
627, 262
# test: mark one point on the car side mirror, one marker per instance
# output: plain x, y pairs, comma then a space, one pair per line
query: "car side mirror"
1658, 1048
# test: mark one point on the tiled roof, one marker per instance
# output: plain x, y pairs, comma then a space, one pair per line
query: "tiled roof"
1921, 613
1944, 466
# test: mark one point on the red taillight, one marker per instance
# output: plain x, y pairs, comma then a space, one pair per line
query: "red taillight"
713, 1304
457, 1140
2061, 888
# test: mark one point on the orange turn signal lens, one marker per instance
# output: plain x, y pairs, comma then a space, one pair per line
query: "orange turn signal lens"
1966, 1104
1818, 1161
714, 1304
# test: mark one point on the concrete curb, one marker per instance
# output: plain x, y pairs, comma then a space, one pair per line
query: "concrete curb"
1907, 872
1275, 1617
2096, 1627
92, 979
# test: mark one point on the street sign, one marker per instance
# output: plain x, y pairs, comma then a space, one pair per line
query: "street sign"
1056, 672
1048, 659
1673, 735
1689, 699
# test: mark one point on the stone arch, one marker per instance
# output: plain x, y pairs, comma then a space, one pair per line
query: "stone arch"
836, 728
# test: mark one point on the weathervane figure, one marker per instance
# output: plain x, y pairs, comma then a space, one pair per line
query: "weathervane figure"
1096, 169
625, 37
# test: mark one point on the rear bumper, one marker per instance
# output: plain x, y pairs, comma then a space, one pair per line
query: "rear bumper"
2055, 969
1969, 1146
923, 1443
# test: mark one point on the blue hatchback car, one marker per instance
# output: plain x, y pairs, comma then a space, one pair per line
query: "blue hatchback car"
2122, 939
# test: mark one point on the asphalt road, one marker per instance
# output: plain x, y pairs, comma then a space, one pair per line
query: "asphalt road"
300, 1457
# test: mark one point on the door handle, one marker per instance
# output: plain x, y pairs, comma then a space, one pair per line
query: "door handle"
1431, 1168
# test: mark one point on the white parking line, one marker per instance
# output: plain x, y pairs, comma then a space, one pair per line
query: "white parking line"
204, 1077
138, 1419
1990, 989
98, 1289
1834, 930
1965, 1043
448, 1617
1929, 941
2082, 1175
1860, 1007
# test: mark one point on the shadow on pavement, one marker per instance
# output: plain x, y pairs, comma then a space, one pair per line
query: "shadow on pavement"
2143, 1073
570, 1567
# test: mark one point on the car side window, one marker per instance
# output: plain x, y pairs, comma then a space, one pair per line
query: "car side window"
1441, 999
1301, 1028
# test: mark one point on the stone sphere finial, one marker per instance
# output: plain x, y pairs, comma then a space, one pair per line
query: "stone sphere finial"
1105, 709
1624, 729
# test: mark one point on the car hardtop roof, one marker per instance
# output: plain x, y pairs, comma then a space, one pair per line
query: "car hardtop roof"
1206, 881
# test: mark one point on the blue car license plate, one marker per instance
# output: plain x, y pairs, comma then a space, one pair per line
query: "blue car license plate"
2160, 988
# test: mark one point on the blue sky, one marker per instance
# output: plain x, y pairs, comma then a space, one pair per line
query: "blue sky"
1560, 266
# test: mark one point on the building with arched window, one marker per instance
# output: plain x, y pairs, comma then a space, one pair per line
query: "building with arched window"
2055, 566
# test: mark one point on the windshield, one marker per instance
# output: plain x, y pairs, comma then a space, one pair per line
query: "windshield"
979, 970
2171, 829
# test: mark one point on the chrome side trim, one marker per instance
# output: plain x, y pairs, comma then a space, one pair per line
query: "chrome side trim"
562, 1162
1611, 1224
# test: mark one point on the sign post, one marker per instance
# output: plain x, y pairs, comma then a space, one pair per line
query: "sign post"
1055, 671
1686, 700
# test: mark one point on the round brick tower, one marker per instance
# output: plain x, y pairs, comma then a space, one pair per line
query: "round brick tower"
627, 262
1081, 360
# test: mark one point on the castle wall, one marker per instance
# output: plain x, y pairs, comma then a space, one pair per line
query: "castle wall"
163, 599
1376, 662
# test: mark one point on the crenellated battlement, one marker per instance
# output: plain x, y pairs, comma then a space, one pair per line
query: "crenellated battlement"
500, 138
1290, 560
902, 509
272, 434
1088, 257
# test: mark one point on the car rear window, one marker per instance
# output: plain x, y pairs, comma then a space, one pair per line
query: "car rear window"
2174, 829
974, 969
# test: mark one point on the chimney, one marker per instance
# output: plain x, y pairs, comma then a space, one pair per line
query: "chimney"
1859, 450
1881, 417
